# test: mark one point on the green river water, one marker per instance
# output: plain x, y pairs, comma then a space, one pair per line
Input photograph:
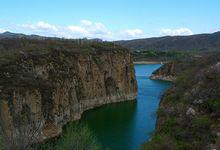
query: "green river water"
126, 125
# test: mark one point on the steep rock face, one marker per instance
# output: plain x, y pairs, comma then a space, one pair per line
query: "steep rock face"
41, 92
166, 73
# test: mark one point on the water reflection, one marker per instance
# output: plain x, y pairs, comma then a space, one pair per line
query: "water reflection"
113, 123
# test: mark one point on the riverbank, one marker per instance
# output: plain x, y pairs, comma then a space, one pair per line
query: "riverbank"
148, 62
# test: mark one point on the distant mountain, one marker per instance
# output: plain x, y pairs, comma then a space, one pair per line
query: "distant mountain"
200, 42
11, 35
20, 35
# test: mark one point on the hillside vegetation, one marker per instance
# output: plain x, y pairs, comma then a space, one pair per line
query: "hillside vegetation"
200, 42
170, 48
12, 48
154, 55
189, 114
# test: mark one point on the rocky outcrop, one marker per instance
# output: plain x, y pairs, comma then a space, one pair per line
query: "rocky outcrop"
171, 70
165, 73
41, 92
163, 78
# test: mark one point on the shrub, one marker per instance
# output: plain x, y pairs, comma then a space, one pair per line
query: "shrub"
218, 143
75, 137
160, 142
1, 142
79, 138
160, 113
168, 125
215, 105
201, 123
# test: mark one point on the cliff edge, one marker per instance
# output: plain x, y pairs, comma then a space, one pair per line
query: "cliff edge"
46, 83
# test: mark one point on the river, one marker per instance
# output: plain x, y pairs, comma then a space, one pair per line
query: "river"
125, 126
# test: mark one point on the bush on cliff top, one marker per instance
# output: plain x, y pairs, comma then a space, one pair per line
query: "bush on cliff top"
11, 49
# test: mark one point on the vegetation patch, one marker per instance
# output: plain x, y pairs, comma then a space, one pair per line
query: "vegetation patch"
74, 137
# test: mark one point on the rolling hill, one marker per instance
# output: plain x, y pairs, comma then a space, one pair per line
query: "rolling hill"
199, 42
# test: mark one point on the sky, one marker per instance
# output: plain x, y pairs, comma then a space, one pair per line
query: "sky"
110, 20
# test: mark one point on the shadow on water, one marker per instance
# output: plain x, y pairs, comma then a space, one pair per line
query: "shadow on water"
113, 124
125, 126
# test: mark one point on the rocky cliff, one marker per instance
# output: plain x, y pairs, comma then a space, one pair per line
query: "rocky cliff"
45, 84
165, 73
171, 70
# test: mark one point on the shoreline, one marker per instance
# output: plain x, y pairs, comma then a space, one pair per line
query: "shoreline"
148, 62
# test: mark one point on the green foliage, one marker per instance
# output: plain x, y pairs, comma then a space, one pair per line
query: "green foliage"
75, 137
98, 62
160, 142
11, 49
160, 55
214, 105
168, 125
201, 123
160, 112
1, 142
184, 80
218, 79
218, 143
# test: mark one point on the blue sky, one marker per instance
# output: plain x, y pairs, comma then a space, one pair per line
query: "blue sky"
110, 20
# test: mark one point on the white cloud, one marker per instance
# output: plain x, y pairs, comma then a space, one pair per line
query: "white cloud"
99, 28
173, 32
133, 32
46, 26
77, 30
94, 28
86, 28
40, 26
91, 29
2, 30
86, 22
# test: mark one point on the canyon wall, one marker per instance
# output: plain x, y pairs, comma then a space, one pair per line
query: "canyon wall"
41, 92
